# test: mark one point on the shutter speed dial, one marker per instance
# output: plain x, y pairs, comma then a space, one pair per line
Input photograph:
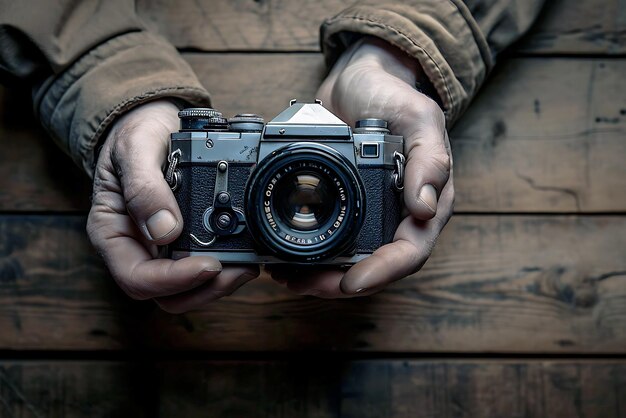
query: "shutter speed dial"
202, 119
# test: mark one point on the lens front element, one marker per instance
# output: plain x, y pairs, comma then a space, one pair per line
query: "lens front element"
305, 203
305, 200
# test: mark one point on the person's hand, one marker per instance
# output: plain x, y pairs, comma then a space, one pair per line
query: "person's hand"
134, 211
376, 80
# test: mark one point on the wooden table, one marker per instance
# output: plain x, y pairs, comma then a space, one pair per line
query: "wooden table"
521, 311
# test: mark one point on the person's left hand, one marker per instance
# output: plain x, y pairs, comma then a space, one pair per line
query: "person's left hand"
376, 80
134, 211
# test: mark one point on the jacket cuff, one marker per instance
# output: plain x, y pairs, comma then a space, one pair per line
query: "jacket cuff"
440, 34
78, 105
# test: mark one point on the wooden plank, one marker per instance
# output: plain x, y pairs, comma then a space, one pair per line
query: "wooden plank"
35, 174
528, 284
543, 136
577, 27
564, 26
315, 387
55, 291
326, 388
72, 389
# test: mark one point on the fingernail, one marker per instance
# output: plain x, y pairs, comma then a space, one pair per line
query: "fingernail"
160, 224
428, 196
348, 288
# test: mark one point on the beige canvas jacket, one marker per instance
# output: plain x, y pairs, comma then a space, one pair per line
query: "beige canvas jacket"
89, 61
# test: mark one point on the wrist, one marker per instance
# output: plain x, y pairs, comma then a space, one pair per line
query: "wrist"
160, 116
161, 112
381, 54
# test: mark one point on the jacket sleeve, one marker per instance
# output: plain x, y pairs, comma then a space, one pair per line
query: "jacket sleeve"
88, 61
455, 41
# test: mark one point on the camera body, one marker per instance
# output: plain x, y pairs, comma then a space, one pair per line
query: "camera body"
304, 188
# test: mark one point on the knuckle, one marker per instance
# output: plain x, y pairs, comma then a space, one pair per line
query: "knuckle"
94, 229
131, 286
132, 290
90, 228
438, 223
124, 131
140, 193
429, 245
441, 160
414, 256
430, 106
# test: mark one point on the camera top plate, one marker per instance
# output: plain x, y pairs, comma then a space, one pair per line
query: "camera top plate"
306, 119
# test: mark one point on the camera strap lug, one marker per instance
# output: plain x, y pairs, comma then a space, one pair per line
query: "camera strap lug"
172, 176
398, 174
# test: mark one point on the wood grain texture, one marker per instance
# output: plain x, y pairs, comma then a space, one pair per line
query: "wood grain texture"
35, 175
577, 27
323, 388
564, 26
545, 135
71, 389
314, 387
51, 280
528, 284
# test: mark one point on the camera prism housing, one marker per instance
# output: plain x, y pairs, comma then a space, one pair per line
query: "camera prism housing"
304, 188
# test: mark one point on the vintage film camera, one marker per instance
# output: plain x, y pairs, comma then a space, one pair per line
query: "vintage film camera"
304, 188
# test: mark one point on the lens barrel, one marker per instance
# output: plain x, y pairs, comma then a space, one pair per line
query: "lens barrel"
305, 203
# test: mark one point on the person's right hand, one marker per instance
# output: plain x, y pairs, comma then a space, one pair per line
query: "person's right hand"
133, 211
374, 79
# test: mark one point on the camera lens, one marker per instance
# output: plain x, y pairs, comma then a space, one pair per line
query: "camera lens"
305, 200
305, 203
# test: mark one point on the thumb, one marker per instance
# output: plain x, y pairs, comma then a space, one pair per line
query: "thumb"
138, 153
429, 162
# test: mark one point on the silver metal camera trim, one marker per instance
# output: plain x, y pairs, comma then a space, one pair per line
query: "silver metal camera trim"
250, 147
232, 147
366, 143
249, 257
